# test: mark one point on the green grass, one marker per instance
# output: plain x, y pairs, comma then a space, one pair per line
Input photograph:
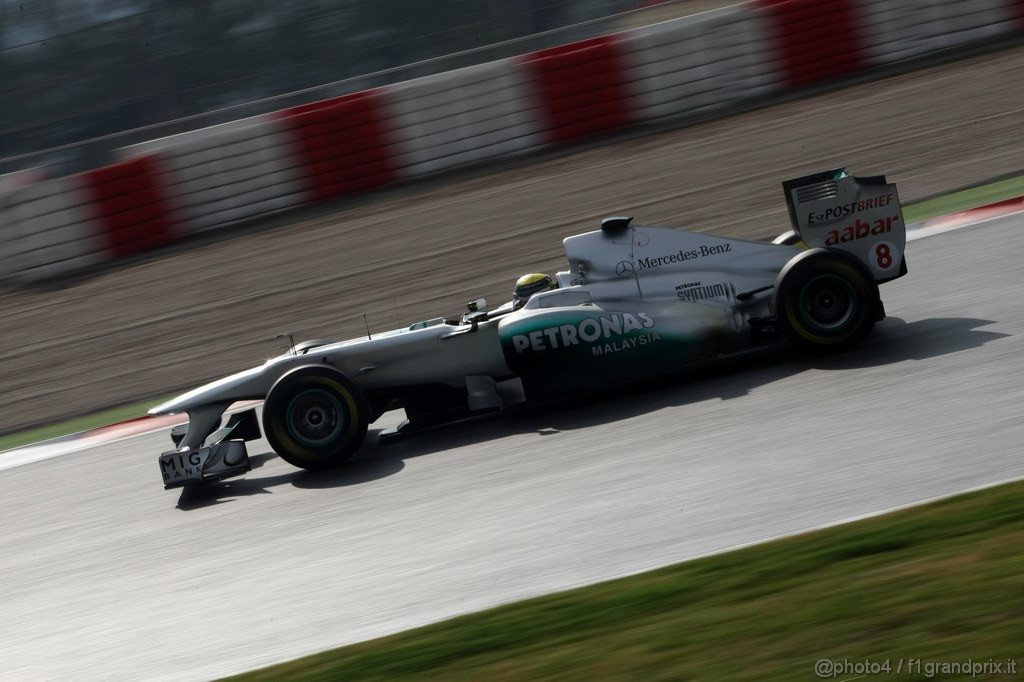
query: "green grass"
950, 203
89, 421
965, 199
942, 582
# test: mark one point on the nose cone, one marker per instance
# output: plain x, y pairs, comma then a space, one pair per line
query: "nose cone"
252, 384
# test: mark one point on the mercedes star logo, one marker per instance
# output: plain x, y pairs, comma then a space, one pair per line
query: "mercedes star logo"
624, 268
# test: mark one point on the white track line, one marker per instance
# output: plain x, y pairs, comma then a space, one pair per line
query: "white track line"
65, 445
37, 452
805, 531
921, 230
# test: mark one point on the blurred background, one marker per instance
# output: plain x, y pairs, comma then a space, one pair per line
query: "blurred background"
76, 70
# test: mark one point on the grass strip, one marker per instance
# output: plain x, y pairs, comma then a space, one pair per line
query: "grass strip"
83, 423
965, 199
942, 583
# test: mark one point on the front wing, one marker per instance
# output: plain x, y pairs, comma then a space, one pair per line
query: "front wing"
189, 467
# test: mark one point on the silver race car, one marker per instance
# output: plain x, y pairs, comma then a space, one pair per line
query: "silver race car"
634, 302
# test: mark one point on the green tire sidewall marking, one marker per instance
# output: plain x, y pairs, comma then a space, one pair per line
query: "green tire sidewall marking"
334, 402
844, 284
282, 432
794, 316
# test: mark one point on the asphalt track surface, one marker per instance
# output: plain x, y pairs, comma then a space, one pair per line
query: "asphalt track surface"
104, 575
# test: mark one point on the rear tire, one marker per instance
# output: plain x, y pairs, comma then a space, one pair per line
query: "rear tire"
825, 301
315, 417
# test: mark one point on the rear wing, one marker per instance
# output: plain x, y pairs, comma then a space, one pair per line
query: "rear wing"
862, 216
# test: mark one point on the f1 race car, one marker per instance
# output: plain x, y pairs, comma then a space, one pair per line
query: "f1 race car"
635, 301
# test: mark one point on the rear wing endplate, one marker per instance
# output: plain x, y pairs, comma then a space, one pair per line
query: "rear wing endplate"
862, 216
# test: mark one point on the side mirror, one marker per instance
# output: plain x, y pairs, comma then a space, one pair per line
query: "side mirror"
476, 305
475, 318
291, 342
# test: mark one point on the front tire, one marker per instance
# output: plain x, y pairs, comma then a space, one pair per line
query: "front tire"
315, 417
826, 301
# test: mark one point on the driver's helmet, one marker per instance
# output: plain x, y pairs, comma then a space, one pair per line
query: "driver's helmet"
528, 285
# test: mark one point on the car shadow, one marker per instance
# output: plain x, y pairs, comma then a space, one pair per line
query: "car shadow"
893, 341
360, 470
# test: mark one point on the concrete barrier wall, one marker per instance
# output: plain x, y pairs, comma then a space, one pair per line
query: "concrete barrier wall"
49, 230
171, 188
692, 66
904, 29
461, 117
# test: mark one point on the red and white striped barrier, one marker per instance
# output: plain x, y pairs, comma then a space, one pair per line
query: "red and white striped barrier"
202, 180
229, 173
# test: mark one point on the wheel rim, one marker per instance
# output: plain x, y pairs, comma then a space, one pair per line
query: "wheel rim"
314, 417
828, 302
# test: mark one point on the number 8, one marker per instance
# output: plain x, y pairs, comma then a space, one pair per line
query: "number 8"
883, 257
